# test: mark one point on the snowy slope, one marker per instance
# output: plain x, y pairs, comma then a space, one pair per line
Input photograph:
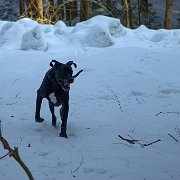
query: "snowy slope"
129, 77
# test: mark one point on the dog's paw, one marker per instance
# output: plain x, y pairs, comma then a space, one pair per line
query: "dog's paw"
39, 120
63, 135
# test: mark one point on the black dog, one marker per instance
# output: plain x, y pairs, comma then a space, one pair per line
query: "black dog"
55, 88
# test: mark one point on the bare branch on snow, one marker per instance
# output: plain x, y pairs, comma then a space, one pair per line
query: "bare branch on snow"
80, 164
173, 137
167, 113
135, 141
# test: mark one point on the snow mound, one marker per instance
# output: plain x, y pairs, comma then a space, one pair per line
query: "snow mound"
33, 39
27, 23
98, 31
113, 25
10, 35
61, 29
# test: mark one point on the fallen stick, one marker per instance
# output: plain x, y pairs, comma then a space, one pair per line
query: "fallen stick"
131, 141
167, 113
15, 154
151, 143
4, 156
134, 141
137, 141
78, 166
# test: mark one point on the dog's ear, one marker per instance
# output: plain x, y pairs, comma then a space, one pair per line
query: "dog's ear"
71, 63
56, 63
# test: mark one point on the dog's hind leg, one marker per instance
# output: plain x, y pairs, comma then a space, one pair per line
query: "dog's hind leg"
51, 107
38, 108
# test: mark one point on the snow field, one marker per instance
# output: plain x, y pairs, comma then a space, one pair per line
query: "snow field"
125, 85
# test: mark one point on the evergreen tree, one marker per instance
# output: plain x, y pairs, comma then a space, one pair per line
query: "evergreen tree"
9, 10
178, 21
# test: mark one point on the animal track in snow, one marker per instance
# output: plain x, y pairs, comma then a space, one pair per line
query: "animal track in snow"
169, 91
94, 170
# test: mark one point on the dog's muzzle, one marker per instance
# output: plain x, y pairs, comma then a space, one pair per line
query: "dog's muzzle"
65, 84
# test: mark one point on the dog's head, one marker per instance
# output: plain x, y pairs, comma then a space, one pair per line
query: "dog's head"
63, 73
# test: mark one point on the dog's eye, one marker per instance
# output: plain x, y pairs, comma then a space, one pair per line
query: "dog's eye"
68, 70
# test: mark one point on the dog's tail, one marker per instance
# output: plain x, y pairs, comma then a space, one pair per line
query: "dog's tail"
76, 75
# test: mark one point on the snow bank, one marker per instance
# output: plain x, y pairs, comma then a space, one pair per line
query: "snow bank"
99, 31
33, 39
10, 35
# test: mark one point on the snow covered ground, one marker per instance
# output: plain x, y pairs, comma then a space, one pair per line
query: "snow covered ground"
130, 87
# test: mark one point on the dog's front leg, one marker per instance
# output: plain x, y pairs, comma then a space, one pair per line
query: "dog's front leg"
51, 107
64, 115
38, 108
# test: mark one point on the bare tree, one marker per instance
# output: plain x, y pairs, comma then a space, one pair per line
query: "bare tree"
39, 11
142, 11
127, 13
71, 11
168, 14
60, 12
109, 4
84, 10
51, 8
22, 8
31, 9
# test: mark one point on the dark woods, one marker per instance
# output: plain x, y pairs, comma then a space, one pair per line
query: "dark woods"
132, 13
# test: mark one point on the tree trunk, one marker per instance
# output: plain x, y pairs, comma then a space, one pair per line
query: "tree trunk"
127, 13
84, 10
130, 14
60, 12
22, 8
74, 9
51, 16
39, 11
109, 4
168, 14
139, 12
71, 11
32, 9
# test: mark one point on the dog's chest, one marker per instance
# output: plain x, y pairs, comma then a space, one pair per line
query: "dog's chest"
54, 99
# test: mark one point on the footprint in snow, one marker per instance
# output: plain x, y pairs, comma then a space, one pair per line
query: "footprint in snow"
94, 170
43, 153
169, 91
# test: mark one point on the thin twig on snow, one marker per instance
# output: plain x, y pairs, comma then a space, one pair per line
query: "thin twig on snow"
173, 137
167, 113
80, 164
134, 141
